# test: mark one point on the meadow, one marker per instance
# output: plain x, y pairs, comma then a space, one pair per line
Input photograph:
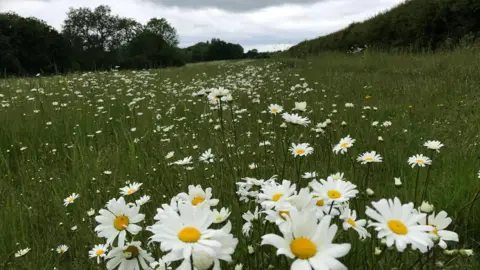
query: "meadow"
93, 134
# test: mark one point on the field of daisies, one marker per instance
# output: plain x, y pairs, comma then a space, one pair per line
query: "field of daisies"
333, 162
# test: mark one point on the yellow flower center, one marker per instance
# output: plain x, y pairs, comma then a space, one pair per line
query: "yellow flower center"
303, 248
121, 223
130, 191
274, 110
131, 252
219, 218
189, 235
435, 230
99, 252
320, 202
300, 151
351, 222
397, 227
334, 194
343, 145
70, 199
420, 161
281, 213
277, 197
368, 159
197, 200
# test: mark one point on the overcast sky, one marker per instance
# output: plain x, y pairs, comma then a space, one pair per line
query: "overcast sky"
261, 24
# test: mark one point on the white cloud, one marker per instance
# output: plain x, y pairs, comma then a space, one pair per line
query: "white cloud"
264, 27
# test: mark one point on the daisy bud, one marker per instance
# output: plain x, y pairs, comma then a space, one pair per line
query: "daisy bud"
283, 125
426, 207
259, 121
439, 264
450, 252
370, 192
383, 241
466, 252
239, 266
378, 251
344, 123
380, 139
202, 260
250, 250
398, 182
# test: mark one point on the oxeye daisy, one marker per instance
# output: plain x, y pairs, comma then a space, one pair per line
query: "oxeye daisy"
187, 232
143, 200
419, 160
343, 145
433, 145
337, 191
398, 223
309, 243
130, 189
274, 193
302, 149
275, 109
70, 199
309, 175
196, 195
22, 252
350, 221
220, 216
296, 119
439, 223
99, 252
369, 157
387, 124
118, 219
207, 156
62, 249
130, 256
183, 162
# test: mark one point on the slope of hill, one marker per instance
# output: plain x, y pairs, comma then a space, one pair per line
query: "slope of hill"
414, 25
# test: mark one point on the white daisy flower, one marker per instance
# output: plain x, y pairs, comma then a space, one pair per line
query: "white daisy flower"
143, 200
196, 195
309, 175
130, 256
70, 199
169, 155
399, 225
300, 106
207, 156
252, 166
308, 243
62, 249
337, 191
22, 252
185, 161
273, 193
337, 176
99, 252
387, 124
433, 145
296, 119
130, 189
419, 160
343, 145
439, 223
302, 149
350, 221
275, 109
220, 216
369, 157
118, 219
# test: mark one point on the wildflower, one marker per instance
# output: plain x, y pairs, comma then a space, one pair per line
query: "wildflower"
419, 160
130, 256
275, 108
274, 193
107, 172
350, 221
302, 149
309, 175
308, 243
296, 119
349, 105
425, 207
130, 189
207, 156
334, 190
337, 176
196, 196
99, 252
370, 192
300, 106
70, 199
219, 217
380, 138
185, 161
369, 157
252, 166
398, 181
91, 212
22, 252
439, 223
62, 249
239, 266
143, 200
169, 155
433, 145
118, 219
398, 223
387, 124
343, 145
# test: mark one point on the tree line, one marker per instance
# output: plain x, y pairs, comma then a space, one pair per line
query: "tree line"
415, 25
95, 39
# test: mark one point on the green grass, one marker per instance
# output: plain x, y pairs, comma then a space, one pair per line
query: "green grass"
427, 97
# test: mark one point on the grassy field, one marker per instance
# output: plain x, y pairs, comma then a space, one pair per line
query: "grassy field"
91, 133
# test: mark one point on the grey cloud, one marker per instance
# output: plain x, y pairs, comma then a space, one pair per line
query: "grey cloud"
231, 5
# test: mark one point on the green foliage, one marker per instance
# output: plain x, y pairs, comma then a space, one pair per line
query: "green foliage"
415, 25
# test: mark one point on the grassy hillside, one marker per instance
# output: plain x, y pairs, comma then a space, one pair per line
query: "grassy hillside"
416, 25
91, 133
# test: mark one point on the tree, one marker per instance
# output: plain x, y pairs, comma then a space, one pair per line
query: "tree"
164, 29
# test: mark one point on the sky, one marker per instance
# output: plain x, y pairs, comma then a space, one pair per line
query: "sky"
265, 25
